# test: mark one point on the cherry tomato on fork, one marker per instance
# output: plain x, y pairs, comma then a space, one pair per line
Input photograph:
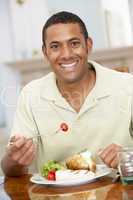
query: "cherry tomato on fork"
64, 127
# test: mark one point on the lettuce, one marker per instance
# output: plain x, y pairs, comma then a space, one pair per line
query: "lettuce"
49, 166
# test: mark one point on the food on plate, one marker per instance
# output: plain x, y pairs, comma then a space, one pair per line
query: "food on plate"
70, 175
49, 169
52, 170
80, 161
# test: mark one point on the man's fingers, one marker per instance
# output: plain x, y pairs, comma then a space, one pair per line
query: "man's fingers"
22, 151
11, 149
114, 163
29, 155
109, 160
14, 139
109, 155
16, 142
20, 142
105, 153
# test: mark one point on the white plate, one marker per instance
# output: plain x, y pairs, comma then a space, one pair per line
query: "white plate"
73, 177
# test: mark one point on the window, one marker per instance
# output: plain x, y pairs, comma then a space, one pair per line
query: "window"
117, 22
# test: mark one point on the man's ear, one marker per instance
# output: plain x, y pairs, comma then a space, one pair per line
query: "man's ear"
89, 44
44, 51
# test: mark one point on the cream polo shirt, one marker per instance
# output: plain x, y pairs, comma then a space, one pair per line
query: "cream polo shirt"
104, 118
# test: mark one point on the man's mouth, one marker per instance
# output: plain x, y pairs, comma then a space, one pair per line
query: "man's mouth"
68, 65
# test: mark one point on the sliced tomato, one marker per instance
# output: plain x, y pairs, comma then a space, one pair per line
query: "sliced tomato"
51, 175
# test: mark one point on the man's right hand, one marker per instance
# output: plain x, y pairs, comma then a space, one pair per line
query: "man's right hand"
19, 155
21, 150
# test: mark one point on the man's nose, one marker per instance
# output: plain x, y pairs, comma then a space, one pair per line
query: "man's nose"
66, 52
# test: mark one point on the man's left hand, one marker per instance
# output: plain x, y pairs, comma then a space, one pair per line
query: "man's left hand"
109, 155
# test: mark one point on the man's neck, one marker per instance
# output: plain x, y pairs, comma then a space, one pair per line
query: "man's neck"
76, 93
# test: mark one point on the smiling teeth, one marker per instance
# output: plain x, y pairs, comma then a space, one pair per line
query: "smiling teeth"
68, 65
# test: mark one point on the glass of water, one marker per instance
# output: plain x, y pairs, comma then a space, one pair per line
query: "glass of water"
125, 167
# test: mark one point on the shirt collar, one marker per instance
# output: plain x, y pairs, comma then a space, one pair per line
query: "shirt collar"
51, 92
102, 86
101, 89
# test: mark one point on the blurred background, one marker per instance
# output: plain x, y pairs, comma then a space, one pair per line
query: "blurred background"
109, 23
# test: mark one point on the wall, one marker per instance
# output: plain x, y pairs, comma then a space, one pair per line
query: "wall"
118, 23
91, 13
131, 12
6, 46
27, 22
20, 35
10, 83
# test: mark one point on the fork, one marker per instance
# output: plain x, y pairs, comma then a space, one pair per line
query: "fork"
36, 136
12, 139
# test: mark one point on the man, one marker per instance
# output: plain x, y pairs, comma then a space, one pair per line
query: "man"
79, 105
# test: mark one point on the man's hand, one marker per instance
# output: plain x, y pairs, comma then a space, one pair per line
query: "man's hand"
19, 155
21, 150
109, 155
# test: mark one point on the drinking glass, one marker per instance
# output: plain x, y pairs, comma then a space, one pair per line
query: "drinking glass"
125, 167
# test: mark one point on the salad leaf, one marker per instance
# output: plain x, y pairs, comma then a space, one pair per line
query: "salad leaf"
51, 165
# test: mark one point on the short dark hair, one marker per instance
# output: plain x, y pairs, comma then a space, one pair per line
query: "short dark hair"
64, 17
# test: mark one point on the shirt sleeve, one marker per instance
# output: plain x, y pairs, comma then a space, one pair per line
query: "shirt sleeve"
24, 123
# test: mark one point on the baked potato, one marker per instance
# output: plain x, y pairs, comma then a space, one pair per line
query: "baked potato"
80, 161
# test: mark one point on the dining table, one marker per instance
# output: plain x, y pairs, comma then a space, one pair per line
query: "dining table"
21, 188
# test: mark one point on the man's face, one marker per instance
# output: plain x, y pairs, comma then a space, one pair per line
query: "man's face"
67, 51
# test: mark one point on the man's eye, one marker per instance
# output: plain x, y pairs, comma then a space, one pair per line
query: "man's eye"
75, 44
54, 46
